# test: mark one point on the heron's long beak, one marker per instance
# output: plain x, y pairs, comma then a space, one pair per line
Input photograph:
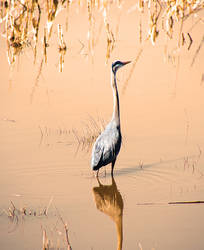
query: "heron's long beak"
126, 62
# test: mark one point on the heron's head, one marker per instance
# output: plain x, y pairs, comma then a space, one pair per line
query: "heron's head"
118, 64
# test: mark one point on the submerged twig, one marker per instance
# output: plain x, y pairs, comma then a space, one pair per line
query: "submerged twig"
66, 230
170, 203
46, 242
198, 50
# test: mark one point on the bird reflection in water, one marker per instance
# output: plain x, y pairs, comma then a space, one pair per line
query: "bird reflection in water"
109, 201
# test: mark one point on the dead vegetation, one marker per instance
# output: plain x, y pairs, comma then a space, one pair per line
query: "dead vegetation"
61, 233
14, 213
89, 133
17, 215
32, 24
83, 137
56, 237
22, 25
191, 163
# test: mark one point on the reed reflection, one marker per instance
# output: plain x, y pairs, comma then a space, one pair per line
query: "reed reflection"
109, 201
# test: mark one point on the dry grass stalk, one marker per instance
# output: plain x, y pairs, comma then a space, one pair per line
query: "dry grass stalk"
45, 212
110, 42
69, 247
140, 30
132, 70
191, 164
62, 48
110, 37
45, 45
198, 50
36, 25
190, 41
56, 244
35, 86
16, 215
91, 130
46, 131
52, 7
84, 137
67, 17
46, 243
90, 34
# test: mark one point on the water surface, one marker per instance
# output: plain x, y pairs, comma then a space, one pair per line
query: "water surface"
161, 158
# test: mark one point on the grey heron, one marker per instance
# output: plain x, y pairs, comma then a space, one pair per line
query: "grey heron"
107, 145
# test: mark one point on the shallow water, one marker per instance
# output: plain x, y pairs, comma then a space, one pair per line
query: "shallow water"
161, 159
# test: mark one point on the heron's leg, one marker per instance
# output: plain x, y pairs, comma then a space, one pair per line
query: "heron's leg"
99, 181
97, 173
112, 167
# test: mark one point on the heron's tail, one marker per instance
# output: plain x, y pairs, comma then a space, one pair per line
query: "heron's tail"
95, 168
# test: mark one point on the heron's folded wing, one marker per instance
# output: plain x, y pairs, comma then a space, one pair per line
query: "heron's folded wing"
97, 153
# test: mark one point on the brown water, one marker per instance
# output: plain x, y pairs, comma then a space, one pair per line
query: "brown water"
161, 158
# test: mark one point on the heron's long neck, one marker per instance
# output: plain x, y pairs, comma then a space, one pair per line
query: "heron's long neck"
119, 228
116, 106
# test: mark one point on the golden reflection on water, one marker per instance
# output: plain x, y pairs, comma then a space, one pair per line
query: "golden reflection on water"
110, 202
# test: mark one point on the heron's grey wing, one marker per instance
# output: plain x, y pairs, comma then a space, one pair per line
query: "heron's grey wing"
97, 153
106, 147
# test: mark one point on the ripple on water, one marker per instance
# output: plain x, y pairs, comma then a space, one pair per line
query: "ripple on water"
163, 180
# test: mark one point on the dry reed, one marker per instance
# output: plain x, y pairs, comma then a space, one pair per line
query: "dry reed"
18, 215
14, 213
83, 137
49, 243
21, 20
91, 130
